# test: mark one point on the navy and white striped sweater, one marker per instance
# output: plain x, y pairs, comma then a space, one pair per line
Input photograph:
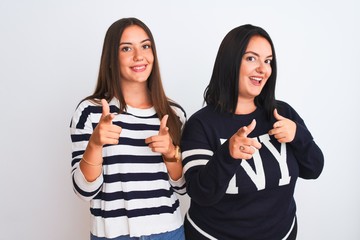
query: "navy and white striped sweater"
135, 190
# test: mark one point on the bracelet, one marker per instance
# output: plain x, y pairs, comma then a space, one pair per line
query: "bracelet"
89, 163
176, 158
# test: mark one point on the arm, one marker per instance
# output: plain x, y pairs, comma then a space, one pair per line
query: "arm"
293, 130
307, 152
87, 146
208, 166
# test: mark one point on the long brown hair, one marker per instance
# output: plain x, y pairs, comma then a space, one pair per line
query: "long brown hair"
108, 82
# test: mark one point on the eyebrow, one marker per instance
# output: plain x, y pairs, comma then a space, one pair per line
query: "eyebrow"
148, 39
251, 52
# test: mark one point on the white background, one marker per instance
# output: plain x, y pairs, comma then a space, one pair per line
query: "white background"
49, 59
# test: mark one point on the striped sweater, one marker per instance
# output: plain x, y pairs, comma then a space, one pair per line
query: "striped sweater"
134, 190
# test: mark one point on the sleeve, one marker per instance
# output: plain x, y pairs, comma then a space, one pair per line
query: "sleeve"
208, 166
308, 154
179, 186
81, 129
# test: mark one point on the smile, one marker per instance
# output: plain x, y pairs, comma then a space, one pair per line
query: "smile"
139, 68
256, 79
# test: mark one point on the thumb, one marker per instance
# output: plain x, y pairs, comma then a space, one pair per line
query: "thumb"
163, 128
277, 115
106, 116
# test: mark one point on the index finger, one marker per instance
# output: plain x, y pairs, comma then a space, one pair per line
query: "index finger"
105, 107
163, 128
106, 115
246, 130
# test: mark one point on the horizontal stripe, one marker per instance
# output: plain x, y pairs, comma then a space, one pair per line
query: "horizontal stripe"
134, 195
109, 150
132, 142
75, 161
134, 126
194, 163
136, 212
192, 152
124, 168
132, 159
143, 134
137, 186
130, 118
126, 177
133, 204
81, 192
78, 146
80, 137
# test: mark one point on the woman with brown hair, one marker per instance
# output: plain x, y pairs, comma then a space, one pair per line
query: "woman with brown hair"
125, 138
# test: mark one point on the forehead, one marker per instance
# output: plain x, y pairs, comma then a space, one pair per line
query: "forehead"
133, 34
259, 45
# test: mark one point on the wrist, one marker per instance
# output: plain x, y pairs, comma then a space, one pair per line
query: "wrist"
175, 156
93, 146
92, 164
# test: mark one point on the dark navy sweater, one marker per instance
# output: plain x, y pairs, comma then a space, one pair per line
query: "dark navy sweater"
245, 199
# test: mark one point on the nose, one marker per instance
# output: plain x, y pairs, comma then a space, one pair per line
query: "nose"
138, 56
261, 68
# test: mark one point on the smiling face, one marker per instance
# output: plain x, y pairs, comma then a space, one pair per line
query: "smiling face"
135, 56
255, 68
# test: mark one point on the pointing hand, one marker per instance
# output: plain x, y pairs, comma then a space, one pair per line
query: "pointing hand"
242, 147
284, 129
105, 132
162, 143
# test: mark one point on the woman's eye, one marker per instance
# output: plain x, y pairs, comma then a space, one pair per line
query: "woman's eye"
125, 49
268, 61
250, 58
147, 46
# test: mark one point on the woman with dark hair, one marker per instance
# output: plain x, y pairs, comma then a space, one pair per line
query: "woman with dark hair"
125, 138
243, 152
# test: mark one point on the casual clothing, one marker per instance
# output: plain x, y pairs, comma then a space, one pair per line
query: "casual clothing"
177, 234
244, 199
134, 195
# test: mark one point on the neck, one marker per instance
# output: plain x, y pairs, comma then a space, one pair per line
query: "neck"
245, 106
136, 95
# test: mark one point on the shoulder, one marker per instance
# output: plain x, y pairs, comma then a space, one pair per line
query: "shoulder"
207, 113
89, 106
286, 110
177, 107
179, 111
204, 116
83, 111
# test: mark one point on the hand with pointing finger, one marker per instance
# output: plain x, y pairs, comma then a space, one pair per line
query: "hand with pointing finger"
242, 147
105, 132
162, 143
283, 129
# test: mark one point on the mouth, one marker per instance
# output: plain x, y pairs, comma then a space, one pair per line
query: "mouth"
256, 80
139, 68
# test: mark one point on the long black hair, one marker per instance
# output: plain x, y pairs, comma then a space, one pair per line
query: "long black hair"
223, 89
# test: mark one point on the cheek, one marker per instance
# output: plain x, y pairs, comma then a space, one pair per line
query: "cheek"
123, 60
268, 72
150, 57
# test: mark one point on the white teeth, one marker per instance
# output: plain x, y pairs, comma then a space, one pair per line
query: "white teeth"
256, 78
139, 67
